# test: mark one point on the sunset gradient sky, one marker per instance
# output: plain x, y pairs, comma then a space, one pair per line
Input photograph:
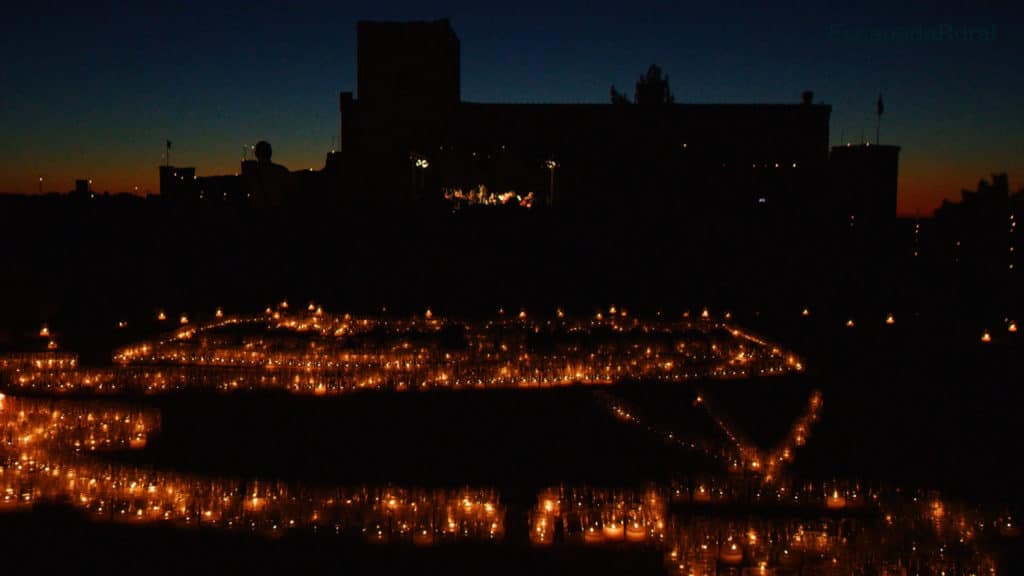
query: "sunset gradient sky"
92, 90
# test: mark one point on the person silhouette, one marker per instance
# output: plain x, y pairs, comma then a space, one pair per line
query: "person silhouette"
269, 183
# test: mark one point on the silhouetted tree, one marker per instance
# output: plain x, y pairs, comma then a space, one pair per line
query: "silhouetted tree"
619, 97
652, 88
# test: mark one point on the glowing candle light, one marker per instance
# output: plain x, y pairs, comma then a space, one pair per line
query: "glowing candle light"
542, 532
593, 535
702, 494
986, 337
789, 558
613, 530
44, 332
423, 537
161, 316
731, 553
636, 532
835, 501
890, 320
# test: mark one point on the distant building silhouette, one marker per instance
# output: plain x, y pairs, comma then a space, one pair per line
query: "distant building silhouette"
261, 183
266, 184
863, 183
757, 182
860, 217
177, 182
411, 135
226, 188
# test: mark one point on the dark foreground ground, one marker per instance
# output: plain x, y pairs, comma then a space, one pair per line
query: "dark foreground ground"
56, 539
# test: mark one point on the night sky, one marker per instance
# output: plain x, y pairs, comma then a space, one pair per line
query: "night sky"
92, 90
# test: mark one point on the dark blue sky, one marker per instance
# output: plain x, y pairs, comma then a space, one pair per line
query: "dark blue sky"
93, 90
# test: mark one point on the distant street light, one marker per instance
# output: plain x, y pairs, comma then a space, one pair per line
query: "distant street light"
419, 167
551, 165
40, 184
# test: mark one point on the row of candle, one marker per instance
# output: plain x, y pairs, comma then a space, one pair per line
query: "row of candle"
41, 458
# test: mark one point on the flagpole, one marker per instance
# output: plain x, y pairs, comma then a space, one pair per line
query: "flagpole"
878, 125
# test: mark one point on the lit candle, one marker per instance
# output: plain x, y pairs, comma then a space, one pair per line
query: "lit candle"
613, 530
789, 558
835, 501
593, 535
635, 532
731, 553
423, 536
702, 494
542, 532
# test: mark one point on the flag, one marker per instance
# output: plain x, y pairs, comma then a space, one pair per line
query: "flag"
880, 107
